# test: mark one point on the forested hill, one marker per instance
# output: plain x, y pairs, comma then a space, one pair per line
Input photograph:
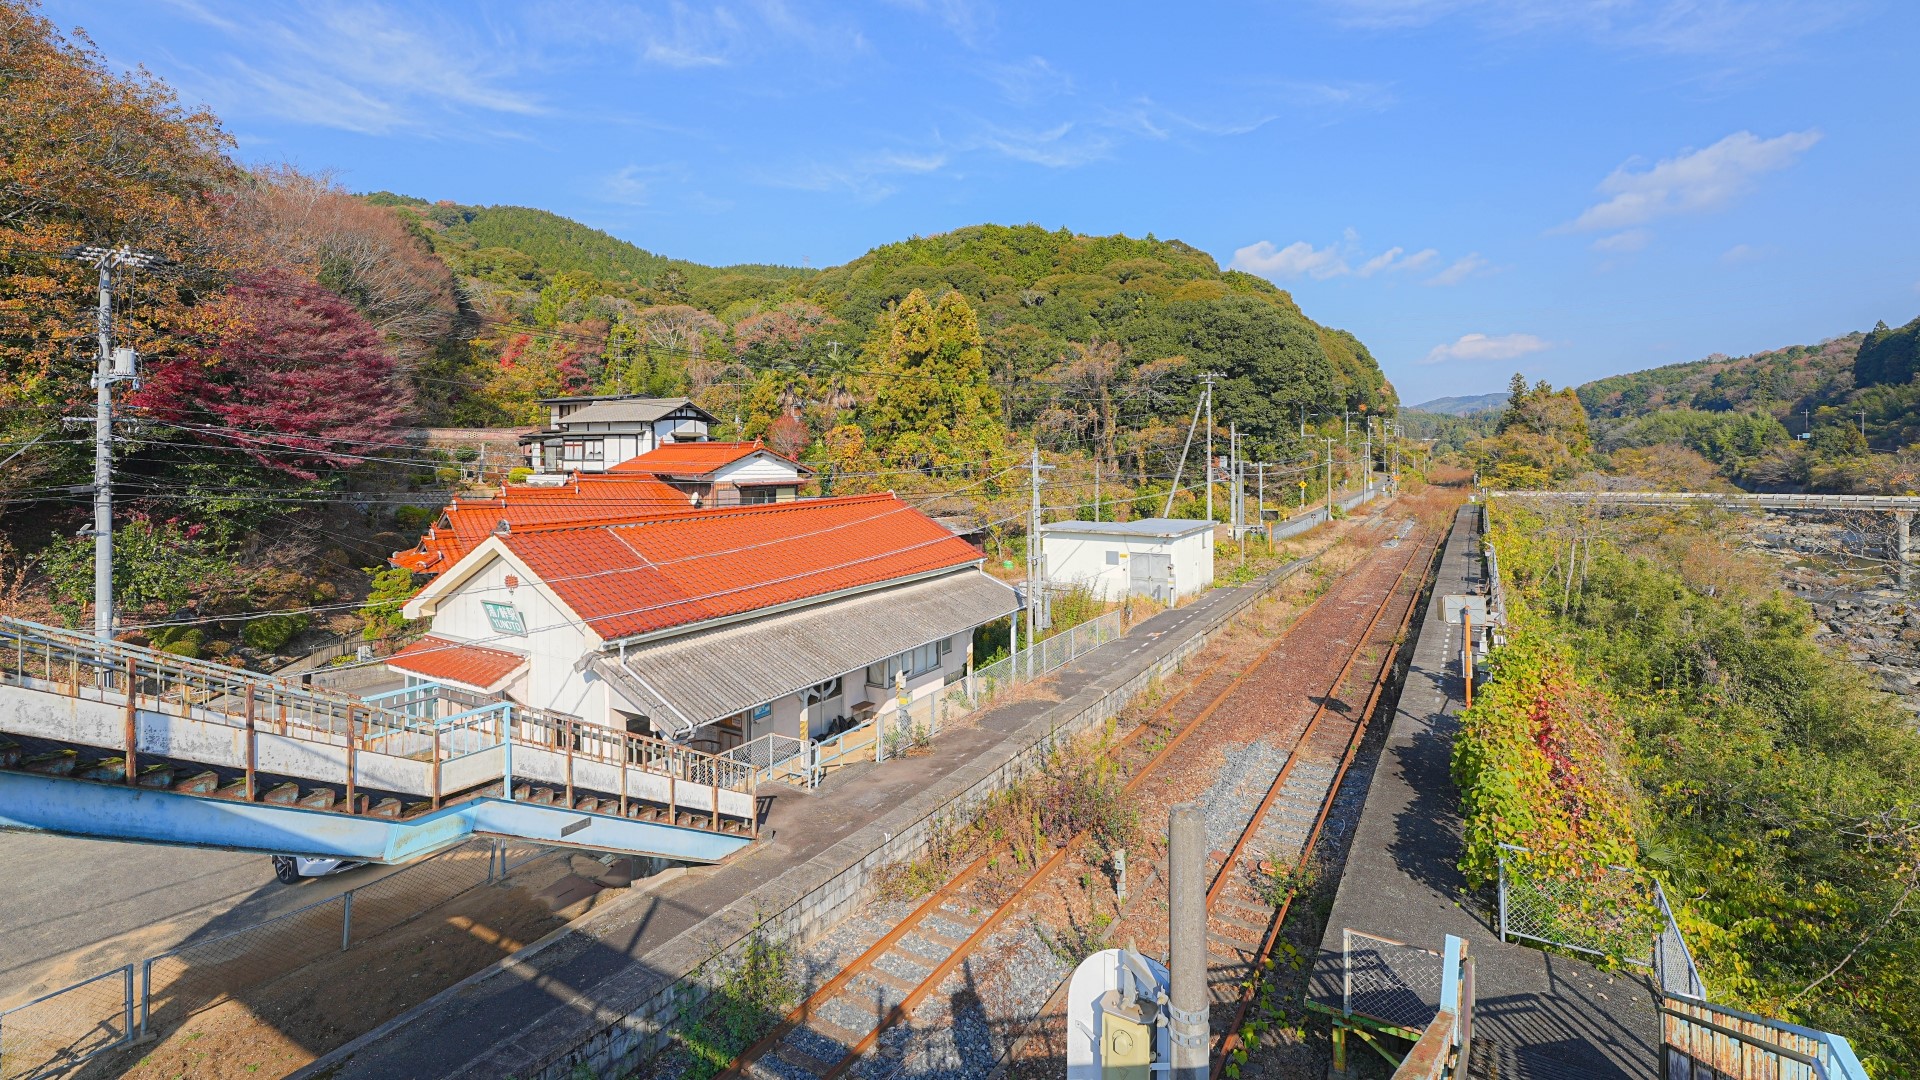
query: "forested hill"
1038, 291
1780, 382
1062, 315
519, 243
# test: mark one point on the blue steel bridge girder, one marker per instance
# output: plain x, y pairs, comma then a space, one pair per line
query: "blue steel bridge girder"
34, 803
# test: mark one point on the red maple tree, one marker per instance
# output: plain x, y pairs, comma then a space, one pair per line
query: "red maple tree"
292, 374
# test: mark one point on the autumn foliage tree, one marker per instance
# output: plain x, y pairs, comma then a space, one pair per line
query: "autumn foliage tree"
88, 156
291, 374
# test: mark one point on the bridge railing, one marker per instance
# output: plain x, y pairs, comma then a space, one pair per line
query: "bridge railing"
426, 722
1703, 1041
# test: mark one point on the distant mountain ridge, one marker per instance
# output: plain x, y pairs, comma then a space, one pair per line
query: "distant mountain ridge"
1462, 406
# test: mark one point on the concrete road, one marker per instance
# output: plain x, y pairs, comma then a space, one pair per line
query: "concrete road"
70, 908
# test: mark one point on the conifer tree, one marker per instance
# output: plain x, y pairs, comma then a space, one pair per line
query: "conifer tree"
933, 402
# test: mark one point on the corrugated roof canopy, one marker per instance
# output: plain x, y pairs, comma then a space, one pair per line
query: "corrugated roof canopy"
1155, 527
712, 674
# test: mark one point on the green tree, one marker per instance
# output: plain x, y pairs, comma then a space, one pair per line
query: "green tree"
934, 402
162, 565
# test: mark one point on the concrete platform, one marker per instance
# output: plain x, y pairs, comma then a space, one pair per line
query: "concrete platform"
1538, 1017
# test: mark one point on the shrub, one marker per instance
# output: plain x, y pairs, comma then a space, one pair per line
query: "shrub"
412, 519
519, 475
271, 634
179, 640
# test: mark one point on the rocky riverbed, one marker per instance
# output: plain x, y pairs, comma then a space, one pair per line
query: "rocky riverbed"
1842, 567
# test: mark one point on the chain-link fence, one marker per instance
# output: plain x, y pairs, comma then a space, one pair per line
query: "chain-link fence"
1039, 659
49, 1034
1389, 982
67, 1026
1595, 909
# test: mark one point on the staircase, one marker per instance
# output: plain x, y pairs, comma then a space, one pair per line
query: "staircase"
116, 741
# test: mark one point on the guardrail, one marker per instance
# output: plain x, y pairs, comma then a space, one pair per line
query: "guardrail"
1703, 1041
425, 723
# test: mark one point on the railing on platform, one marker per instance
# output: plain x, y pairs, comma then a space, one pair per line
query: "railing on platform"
1379, 990
1596, 909
1702, 1041
1047, 655
427, 722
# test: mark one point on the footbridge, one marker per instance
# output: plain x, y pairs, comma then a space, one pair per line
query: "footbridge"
114, 741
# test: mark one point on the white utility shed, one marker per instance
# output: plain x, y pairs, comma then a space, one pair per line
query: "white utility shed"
1165, 558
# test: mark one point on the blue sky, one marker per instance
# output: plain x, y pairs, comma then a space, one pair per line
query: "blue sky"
1569, 188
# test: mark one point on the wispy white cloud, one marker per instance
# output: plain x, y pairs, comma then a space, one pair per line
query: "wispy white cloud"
971, 21
1395, 259
1064, 146
1302, 259
691, 35
1298, 259
1460, 270
1741, 253
1623, 243
365, 67
1694, 181
1029, 81
1474, 348
1695, 27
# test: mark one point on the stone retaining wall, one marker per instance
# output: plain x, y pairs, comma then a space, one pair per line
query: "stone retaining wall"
812, 898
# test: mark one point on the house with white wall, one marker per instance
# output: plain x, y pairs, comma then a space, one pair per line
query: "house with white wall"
712, 627
1164, 558
721, 473
593, 433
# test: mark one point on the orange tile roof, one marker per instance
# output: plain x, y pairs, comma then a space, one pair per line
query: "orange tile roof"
686, 568
445, 660
695, 458
582, 501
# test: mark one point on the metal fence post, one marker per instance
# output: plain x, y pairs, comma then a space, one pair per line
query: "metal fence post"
126, 1023
1502, 855
346, 921
146, 995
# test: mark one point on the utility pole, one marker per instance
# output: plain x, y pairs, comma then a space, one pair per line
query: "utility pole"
1036, 567
109, 368
1366, 469
1329, 478
1233, 474
1260, 509
1096, 485
1187, 940
1210, 377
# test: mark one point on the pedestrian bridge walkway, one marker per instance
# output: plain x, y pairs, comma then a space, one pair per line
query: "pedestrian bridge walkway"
115, 741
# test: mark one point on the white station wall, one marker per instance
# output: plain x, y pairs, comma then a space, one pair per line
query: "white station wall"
1103, 561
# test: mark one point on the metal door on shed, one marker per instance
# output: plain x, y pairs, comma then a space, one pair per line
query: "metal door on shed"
1152, 575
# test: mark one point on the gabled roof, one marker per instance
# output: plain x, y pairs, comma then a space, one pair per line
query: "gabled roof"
472, 667
675, 570
631, 410
584, 500
690, 460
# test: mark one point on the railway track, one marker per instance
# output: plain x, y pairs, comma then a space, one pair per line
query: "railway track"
963, 925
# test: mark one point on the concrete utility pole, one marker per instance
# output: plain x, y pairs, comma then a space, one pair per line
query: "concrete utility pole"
1037, 619
1210, 377
1329, 478
109, 368
1187, 940
1233, 475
